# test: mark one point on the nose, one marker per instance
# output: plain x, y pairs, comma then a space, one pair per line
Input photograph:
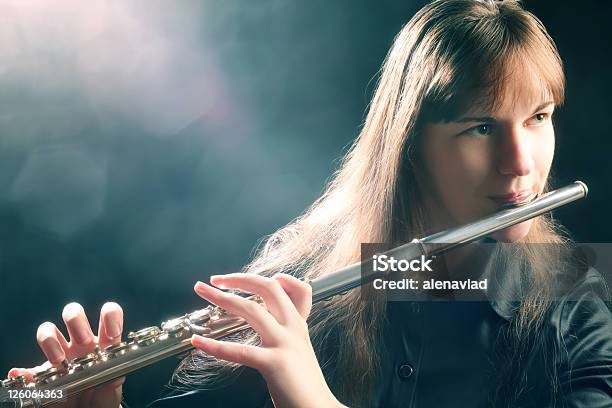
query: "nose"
514, 152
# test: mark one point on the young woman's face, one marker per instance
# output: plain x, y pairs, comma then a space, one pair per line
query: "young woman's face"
484, 160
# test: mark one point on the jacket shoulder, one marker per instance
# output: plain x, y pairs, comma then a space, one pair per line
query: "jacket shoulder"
583, 323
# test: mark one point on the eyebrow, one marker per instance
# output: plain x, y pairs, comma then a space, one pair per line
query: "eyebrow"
475, 119
542, 106
465, 119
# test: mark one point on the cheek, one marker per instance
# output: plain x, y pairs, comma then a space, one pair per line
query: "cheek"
457, 163
544, 151
456, 170
473, 159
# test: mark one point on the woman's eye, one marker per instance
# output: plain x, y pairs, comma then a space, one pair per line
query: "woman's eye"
481, 130
538, 119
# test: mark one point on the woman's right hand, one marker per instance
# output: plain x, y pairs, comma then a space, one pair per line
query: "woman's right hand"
81, 342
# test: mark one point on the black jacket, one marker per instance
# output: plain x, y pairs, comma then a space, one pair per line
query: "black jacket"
445, 354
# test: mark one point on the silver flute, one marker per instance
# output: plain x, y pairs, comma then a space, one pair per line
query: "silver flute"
149, 345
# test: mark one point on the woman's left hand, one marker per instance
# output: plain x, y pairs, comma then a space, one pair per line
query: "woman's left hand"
285, 358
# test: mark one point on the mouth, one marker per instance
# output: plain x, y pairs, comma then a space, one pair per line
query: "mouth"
513, 199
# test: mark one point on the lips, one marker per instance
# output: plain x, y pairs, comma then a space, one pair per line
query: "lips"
514, 198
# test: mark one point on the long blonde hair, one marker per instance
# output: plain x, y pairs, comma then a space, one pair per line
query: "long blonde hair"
450, 52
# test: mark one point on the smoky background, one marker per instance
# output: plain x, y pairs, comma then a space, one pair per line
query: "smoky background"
147, 144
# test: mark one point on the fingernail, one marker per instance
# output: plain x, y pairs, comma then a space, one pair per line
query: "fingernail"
54, 350
218, 281
197, 340
113, 329
80, 331
200, 286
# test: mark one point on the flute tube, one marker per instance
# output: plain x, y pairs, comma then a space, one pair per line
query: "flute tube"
350, 276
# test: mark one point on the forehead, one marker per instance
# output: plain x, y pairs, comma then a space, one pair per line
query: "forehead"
520, 88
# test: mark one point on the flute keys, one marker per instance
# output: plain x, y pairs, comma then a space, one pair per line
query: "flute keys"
15, 382
145, 336
115, 350
174, 327
200, 316
80, 363
49, 375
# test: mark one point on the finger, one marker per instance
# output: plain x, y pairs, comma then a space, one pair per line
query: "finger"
29, 373
78, 327
277, 301
52, 342
15, 372
256, 316
298, 291
245, 354
39, 368
111, 324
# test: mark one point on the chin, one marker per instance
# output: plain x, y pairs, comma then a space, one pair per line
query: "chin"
514, 233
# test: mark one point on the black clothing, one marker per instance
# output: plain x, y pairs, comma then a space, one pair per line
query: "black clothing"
442, 354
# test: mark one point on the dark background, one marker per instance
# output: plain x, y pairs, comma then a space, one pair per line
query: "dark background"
148, 144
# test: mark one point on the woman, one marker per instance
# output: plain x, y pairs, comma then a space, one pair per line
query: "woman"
459, 126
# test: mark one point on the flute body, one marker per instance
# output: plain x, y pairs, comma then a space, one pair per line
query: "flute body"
173, 337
